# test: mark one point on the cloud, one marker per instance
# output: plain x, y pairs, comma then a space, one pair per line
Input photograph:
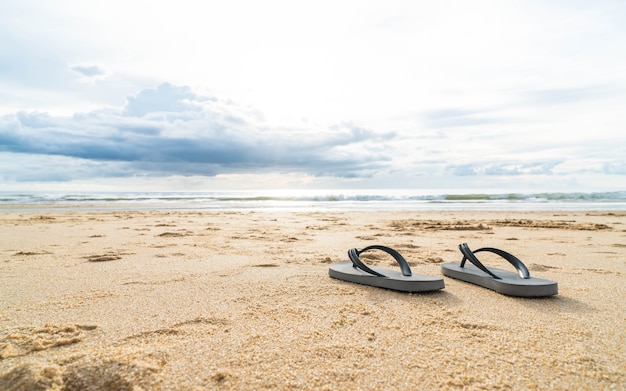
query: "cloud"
88, 70
172, 130
165, 98
542, 97
456, 117
504, 168
562, 96
615, 168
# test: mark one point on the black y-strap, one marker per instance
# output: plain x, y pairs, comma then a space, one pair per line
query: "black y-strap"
353, 254
522, 270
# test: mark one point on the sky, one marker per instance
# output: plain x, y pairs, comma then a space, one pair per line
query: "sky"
222, 95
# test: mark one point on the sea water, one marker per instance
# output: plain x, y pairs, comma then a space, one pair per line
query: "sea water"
377, 199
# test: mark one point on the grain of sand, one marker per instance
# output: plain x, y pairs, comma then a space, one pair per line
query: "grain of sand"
194, 300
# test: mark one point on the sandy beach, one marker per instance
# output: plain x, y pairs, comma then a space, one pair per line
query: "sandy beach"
195, 300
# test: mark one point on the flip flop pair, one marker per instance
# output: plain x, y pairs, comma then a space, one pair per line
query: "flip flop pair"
502, 281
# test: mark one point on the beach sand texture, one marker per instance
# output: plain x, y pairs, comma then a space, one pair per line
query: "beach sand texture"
194, 300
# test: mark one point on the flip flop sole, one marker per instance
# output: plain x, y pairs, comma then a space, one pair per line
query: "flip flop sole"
509, 283
394, 280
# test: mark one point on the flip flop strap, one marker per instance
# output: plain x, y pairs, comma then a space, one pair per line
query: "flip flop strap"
468, 254
353, 254
522, 270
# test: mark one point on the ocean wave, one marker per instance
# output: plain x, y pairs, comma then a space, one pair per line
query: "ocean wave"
302, 199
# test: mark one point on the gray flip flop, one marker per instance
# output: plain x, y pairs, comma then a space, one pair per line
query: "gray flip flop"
502, 281
358, 272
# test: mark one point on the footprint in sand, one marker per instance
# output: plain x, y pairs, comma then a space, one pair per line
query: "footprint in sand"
92, 373
173, 234
103, 257
541, 268
433, 260
29, 253
602, 271
34, 376
109, 375
435, 225
366, 237
23, 341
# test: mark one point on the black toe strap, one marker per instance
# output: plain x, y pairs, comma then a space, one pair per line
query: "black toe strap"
353, 254
522, 270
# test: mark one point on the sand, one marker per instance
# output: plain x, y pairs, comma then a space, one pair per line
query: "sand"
194, 300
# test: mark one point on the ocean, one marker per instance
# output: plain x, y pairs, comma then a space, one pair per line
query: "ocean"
396, 199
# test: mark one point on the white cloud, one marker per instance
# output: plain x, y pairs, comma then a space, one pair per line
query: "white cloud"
365, 90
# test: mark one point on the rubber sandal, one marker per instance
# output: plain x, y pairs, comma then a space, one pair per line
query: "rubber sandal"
502, 281
358, 272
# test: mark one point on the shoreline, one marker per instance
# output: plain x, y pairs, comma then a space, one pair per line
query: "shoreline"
241, 299
327, 200
330, 207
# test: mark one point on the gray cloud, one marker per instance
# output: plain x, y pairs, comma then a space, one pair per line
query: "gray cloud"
88, 70
171, 130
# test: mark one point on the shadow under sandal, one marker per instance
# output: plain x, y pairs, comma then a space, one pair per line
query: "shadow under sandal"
502, 281
358, 272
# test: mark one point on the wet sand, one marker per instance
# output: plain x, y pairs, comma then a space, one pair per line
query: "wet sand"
194, 300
